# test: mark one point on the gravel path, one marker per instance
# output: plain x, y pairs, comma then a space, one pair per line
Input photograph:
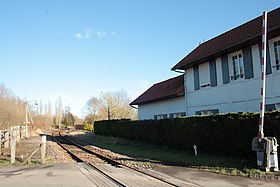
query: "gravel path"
24, 147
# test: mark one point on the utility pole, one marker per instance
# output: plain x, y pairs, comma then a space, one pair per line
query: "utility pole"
26, 117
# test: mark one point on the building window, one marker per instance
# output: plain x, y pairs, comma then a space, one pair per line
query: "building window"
207, 112
160, 116
177, 115
238, 67
277, 54
277, 106
271, 107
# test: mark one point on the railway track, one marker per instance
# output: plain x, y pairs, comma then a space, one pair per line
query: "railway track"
103, 171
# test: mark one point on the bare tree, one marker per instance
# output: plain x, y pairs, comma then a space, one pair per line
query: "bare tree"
12, 111
58, 112
110, 105
11, 108
117, 104
45, 109
41, 108
49, 114
93, 107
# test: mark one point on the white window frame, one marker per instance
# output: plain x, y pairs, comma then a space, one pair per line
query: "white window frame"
177, 115
160, 116
237, 65
209, 112
276, 48
277, 106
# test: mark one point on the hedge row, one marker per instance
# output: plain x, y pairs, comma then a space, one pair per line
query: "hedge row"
230, 134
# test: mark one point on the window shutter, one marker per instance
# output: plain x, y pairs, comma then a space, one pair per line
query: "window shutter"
213, 73
225, 69
248, 63
196, 77
268, 62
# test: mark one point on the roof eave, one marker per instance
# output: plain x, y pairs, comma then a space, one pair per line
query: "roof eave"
249, 42
157, 99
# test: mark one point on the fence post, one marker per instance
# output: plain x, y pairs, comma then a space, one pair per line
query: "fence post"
13, 145
20, 132
7, 139
43, 148
17, 133
23, 132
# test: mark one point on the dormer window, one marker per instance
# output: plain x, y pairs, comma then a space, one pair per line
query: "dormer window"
238, 67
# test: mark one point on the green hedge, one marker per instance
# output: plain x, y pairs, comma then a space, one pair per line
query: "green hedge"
230, 134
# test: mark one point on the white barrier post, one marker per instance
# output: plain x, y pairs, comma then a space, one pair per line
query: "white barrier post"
262, 103
195, 150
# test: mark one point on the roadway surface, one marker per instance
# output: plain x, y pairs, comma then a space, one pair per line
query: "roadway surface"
68, 175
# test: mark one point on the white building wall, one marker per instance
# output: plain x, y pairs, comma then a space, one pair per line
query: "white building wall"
238, 95
174, 105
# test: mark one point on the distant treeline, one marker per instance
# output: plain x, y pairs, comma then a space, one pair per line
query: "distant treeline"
12, 110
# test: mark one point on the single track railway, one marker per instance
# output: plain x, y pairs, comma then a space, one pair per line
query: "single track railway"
104, 171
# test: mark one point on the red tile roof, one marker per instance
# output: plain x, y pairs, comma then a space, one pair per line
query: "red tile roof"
240, 37
168, 89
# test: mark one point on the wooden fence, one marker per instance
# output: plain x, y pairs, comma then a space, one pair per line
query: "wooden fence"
16, 132
9, 137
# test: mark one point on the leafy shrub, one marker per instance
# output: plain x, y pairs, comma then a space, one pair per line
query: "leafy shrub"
230, 134
88, 127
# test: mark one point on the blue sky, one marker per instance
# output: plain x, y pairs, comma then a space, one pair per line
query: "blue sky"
78, 49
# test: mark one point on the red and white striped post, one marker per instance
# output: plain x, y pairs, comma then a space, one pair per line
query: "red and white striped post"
262, 102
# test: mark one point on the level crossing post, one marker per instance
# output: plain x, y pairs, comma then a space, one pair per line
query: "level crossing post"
266, 147
263, 77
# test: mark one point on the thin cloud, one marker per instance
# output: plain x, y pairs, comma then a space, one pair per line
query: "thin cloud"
85, 35
101, 33
89, 33
79, 35
113, 33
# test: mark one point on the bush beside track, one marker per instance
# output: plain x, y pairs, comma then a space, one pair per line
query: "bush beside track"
230, 134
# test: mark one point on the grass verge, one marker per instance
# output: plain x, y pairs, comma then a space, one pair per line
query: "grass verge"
166, 156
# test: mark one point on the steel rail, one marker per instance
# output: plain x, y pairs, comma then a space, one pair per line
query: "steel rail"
114, 162
80, 160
